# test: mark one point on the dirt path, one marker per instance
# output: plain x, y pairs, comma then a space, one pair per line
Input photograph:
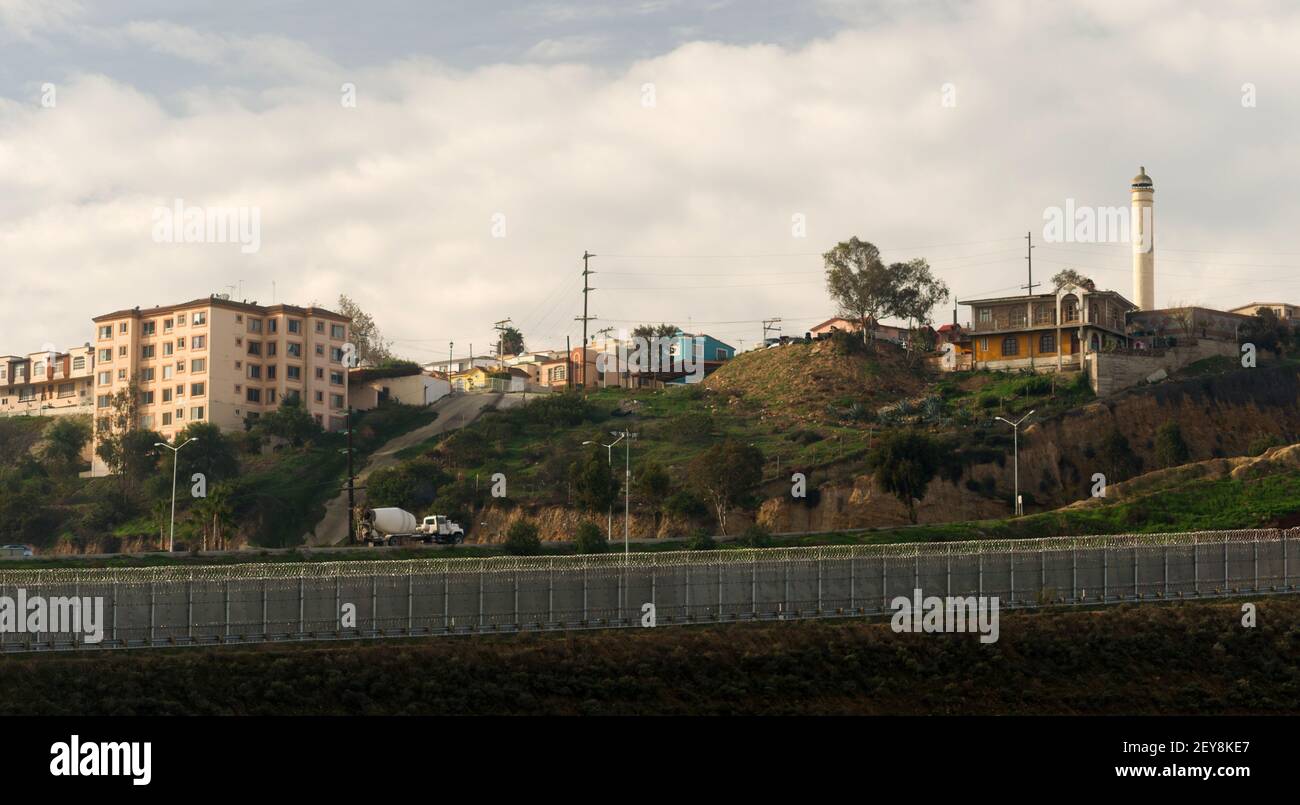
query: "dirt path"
454, 412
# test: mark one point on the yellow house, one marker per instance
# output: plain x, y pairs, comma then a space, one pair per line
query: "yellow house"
476, 378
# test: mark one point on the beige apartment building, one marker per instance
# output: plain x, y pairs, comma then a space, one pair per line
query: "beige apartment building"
48, 383
217, 360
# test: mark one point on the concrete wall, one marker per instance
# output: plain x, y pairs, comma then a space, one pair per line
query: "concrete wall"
164, 606
1112, 372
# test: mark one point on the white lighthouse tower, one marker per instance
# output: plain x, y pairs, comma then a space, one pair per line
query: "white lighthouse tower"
1142, 232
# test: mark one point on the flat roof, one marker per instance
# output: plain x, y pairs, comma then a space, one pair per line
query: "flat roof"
215, 301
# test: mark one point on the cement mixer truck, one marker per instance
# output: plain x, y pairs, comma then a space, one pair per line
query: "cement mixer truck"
393, 526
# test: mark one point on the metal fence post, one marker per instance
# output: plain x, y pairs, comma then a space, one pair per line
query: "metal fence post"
948, 572
1012, 594
884, 582
1286, 576
753, 588
550, 593
446, 601
980, 566
1074, 575
481, 616
189, 609
1196, 567
113, 606
1225, 565
225, 607
1166, 593
265, 630
1136, 592
584, 594
410, 598
719, 591
819, 585
516, 580
151, 612
1255, 552
853, 563
686, 607
1105, 572
302, 610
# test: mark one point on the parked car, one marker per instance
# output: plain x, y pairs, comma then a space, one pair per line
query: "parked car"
15, 550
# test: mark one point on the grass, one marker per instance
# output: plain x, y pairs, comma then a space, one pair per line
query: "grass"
1149, 659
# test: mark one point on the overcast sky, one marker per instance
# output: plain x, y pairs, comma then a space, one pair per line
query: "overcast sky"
681, 142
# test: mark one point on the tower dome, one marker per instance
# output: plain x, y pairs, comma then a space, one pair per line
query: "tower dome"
1142, 180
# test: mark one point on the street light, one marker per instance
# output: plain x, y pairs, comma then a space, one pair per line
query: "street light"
175, 461
609, 453
1016, 428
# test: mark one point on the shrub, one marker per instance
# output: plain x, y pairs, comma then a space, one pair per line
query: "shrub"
756, 536
522, 539
1171, 450
590, 539
700, 540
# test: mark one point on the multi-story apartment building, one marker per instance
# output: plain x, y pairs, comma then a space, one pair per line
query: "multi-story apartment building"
1287, 313
1046, 332
217, 360
48, 383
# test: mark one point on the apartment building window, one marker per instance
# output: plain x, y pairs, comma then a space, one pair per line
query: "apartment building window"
26, 393
320, 373
239, 318
336, 355
255, 348
271, 349
200, 318
121, 374
146, 398
196, 389
196, 412
167, 418
270, 372
1047, 342
146, 422
168, 372
270, 395
239, 388
986, 315
106, 356
106, 331
67, 390
180, 391
1011, 345
336, 378
167, 395
121, 351
336, 400
79, 363
320, 326
198, 365
293, 372
105, 378
336, 331
320, 396
180, 342
1018, 317
198, 342
239, 364
146, 375
149, 328
101, 401
121, 328
255, 325
180, 414
1070, 311
295, 326
254, 372
147, 351
180, 322
984, 345
320, 350
38, 368
168, 324
180, 366
293, 349
254, 395
168, 348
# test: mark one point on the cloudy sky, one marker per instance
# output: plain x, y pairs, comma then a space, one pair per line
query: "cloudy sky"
707, 152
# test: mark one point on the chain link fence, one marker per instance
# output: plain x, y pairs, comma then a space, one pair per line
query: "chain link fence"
248, 603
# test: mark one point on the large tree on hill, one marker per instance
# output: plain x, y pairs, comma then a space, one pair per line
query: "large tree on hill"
371, 348
1068, 276
726, 475
649, 331
512, 341
859, 282
904, 464
916, 292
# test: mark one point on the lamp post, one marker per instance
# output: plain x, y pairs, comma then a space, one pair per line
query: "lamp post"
627, 482
609, 453
171, 539
1015, 426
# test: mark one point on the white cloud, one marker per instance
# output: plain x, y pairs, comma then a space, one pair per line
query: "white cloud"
392, 202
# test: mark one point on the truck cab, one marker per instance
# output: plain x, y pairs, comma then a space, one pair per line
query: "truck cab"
442, 529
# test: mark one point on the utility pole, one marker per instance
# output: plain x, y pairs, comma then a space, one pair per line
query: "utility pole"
1029, 321
568, 363
585, 317
500, 327
352, 499
767, 325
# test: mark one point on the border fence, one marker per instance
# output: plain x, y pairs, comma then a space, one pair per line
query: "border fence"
267, 602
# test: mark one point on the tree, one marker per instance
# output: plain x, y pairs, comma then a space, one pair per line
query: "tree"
590, 539
371, 348
214, 454
64, 441
649, 331
595, 485
727, 474
121, 445
653, 485
522, 539
412, 485
212, 514
290, 422
916, 292
904, 464
512, 341
1266, 331
1171, 449
859, 282
1118, 461
1068, 276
